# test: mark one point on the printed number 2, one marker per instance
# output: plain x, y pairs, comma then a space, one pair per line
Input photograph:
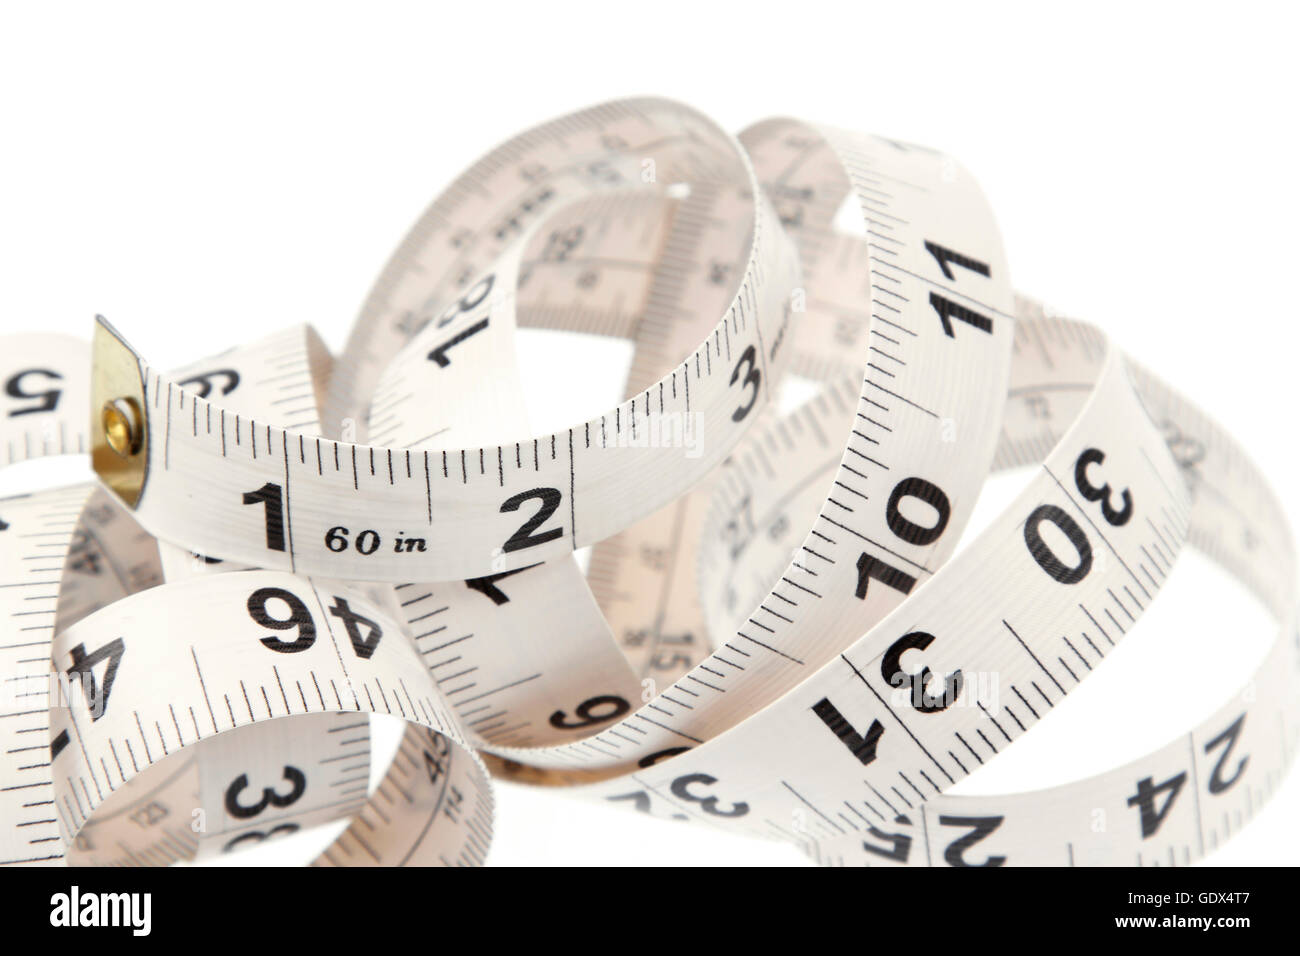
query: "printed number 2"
527, 536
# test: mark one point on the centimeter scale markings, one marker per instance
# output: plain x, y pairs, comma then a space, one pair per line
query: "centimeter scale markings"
1057, 661
46, 390
794, 630
350, 668
846, 691
1180, 802
1010, 641
324, 775
645, 578
327, 773
37, 530
528, 670
642, 578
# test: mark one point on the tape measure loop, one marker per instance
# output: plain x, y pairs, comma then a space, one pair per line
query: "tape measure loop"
776, 634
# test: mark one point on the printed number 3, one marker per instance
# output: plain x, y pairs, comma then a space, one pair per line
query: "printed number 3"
752, 377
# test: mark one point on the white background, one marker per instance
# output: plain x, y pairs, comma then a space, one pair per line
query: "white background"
203, 173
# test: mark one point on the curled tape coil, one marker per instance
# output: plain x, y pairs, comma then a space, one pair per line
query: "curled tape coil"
773, 635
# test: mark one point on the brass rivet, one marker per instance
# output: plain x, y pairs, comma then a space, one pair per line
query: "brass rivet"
121, 419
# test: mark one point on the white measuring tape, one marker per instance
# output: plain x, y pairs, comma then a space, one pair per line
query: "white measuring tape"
773, 636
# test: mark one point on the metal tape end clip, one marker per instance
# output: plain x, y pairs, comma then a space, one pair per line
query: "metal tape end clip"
118, 422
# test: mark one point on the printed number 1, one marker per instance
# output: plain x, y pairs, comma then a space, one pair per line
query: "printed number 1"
272, 496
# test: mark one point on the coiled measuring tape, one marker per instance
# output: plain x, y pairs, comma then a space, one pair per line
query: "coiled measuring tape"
773, 636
